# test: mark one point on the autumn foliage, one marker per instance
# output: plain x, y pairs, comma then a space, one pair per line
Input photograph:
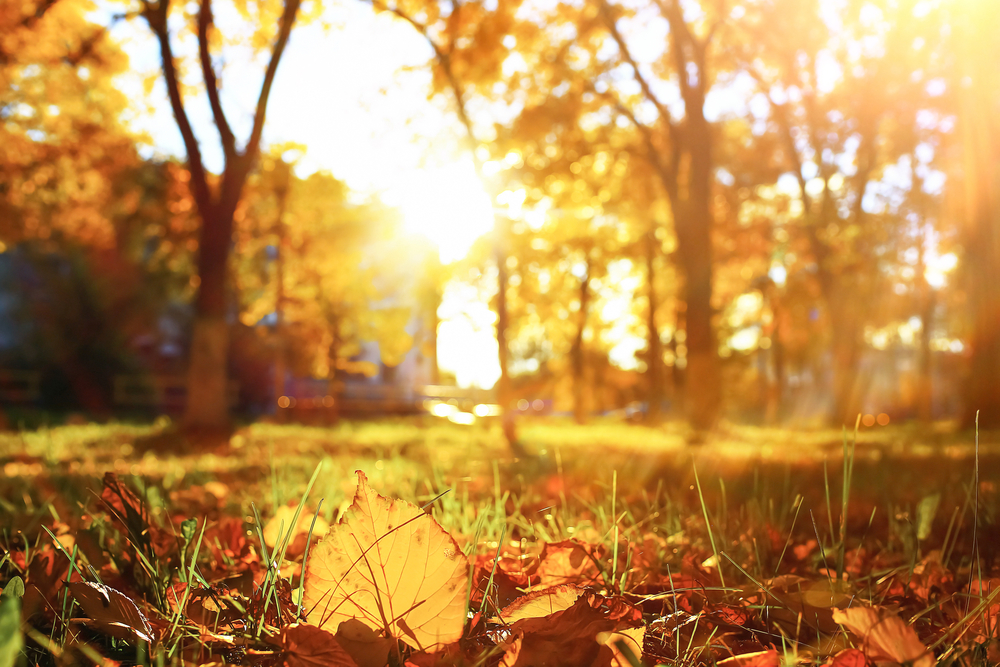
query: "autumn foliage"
386, 584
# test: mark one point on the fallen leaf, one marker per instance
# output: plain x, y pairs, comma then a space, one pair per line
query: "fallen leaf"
541, 603
767, 658
111, 612
885, 636
365, 646
567, 562
391, 566
575, 636
308, 646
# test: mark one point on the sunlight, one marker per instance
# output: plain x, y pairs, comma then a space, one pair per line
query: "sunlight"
445, 204
467, 344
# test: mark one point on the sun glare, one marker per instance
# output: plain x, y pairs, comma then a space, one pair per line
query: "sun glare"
446, 204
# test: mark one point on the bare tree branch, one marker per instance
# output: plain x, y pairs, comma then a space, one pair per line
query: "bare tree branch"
647, 90
205, 20
156, 17
284, 32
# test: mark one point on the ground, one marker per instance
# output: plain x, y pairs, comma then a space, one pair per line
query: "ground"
773, 499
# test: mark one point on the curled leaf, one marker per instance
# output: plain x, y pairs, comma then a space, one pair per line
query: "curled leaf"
111, 612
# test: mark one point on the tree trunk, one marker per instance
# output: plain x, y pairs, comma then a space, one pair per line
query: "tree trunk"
576, 352
207, 405
435, 323
504, 394
280, 350
654, 375
693, 219
207, 397
846, 355
982, 200
927, 304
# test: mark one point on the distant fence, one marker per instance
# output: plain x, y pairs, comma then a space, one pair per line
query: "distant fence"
164, 392
169, 393
363, 399
20, 386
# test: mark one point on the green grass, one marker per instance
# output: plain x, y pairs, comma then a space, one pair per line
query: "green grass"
875, 509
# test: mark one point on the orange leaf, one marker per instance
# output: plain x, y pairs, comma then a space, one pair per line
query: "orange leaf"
111, 611
767, 658
391, 566
849, 657
575, 635
567, 562
885, 636
309, 646
541, 603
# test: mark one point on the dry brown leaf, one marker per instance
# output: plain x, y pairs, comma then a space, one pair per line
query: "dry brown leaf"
885, 636
365, 646
574, 636
391, 566
111, 612
308, 646
567, 562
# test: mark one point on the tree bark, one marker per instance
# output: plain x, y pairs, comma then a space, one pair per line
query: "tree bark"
693, 220
686, 174
981, 139
207, 399
925, 382
207, 406
504, 393
654, 375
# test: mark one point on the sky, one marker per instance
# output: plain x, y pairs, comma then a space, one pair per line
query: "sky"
357, 99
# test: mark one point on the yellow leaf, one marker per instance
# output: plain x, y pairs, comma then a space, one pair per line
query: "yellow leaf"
279, 525
389, 565
885, 636
541, 603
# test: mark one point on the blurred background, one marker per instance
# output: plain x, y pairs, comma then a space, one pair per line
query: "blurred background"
781, 212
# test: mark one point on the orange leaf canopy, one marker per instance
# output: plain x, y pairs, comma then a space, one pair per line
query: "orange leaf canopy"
391, 566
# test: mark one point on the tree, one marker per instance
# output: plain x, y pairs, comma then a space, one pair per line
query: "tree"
469, 45
62, 144
975, 96
837, 134
331, 270
216, 199
680, 148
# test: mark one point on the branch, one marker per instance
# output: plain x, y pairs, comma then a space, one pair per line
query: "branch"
667, 172
445, 60
679, 31
640, 79
785, 124
211, 83
284, 32
156, 17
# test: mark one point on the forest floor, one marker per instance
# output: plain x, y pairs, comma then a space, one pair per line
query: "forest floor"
756, 546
